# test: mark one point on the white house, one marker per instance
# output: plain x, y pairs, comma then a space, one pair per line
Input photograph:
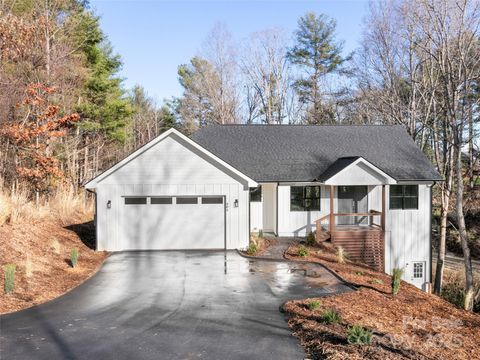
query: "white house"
366, 188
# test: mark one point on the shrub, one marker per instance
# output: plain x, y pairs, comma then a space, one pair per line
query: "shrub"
311, 239
357, 334
396, 279
454, 293
377, 281
302, 251
331, 317
252, 249
74, 257
9, 278
341, 255
260, 234
314, 305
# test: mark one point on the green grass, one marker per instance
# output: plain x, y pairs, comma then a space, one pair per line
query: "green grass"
314, 305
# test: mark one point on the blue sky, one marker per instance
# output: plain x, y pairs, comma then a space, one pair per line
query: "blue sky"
154, 37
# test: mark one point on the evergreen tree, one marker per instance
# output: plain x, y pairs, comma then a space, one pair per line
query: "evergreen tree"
316, 53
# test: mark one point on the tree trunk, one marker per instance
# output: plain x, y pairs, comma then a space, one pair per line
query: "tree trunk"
462, 230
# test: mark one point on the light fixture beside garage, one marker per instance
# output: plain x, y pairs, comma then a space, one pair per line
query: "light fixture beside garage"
235, 203
109, 204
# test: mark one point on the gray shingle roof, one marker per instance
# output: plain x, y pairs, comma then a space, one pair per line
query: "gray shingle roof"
306, 152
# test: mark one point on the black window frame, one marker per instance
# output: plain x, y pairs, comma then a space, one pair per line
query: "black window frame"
301, 200
256, 194
402, 200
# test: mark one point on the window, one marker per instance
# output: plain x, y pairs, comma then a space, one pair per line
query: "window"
161, 200
256, 194
187, 200
305, 198
212, 200
135, 200
404, 197
418, 270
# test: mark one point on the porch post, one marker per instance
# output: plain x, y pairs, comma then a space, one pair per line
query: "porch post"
331, 221
382, 220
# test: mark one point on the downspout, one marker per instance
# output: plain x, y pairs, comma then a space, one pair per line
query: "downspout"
276, 211
430, 232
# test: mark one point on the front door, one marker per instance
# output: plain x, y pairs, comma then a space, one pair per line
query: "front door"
352, 199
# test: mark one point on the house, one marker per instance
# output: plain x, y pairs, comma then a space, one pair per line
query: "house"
366, 188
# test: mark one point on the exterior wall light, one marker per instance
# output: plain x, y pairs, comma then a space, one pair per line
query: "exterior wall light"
109, 204
235, 203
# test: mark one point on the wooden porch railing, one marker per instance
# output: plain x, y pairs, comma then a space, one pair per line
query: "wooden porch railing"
321, 233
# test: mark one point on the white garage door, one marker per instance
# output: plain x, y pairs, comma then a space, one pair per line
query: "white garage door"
173, 223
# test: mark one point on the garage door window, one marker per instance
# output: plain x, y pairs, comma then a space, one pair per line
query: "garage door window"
212, 200
135, 200
161, 200
187, 200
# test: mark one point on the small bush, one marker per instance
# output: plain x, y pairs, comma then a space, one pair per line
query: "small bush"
311, 239
396, 279
357, 334
302, 251
74, 257
360, 273
252, 249
331, 317
9, 278
377, 281
454, 293
314, 305
260, 234
341, 255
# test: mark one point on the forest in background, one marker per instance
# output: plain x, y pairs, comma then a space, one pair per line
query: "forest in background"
65, 114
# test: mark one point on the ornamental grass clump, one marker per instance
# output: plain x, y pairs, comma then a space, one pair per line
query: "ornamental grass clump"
314, 305
330, 316
341, 255
9, 270
252, 249
396, 280
357, 334
74, 257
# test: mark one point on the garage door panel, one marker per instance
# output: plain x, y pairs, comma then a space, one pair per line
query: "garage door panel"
174, 226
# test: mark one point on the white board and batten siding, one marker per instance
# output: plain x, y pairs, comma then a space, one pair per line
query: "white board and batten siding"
407, 237
171, 167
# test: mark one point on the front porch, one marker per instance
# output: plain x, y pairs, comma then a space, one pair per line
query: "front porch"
360, 234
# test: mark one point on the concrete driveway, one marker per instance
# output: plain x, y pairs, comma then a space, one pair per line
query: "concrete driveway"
170, 305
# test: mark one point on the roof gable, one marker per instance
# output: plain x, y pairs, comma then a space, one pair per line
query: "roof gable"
355, 171
185, 141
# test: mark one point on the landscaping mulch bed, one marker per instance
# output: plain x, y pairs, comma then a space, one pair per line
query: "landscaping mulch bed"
411, 325
41, 251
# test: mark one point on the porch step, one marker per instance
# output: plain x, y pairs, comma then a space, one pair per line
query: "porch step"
323, 236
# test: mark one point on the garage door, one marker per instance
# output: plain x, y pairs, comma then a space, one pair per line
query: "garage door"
173, 222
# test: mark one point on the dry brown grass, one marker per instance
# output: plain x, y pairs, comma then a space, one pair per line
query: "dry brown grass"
38, 240
63, 205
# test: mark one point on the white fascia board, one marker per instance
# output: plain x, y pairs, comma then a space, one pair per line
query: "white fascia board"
390, 180
92, 184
